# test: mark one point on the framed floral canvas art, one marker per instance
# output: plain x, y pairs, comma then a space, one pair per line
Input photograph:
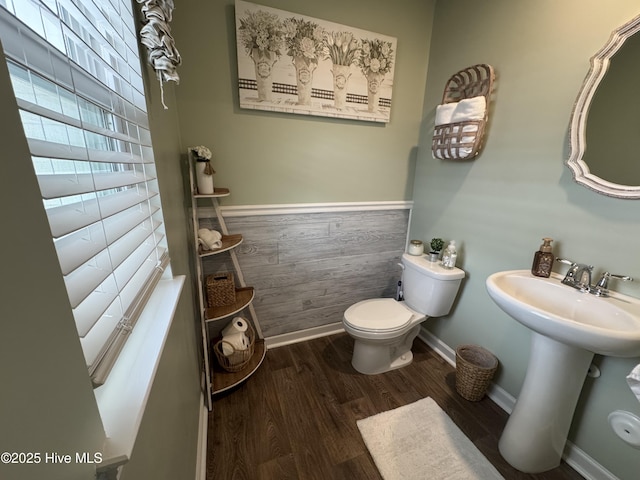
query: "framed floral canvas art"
297, 64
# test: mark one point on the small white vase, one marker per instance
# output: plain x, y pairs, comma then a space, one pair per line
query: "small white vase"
204, 181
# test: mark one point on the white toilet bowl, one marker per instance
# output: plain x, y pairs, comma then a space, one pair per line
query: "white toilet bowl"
383, 330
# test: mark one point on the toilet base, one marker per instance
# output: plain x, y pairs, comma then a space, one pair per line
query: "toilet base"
372, 358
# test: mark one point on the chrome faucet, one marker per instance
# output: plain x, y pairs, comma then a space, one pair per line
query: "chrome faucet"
578, 276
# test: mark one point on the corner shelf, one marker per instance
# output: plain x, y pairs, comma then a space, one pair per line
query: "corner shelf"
228, 242
216, 379
217, 192
244, 297
223, 380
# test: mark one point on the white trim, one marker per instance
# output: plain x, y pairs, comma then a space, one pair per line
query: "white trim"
201, 454
299, 208
574, 456
585, 465
123, 397
303, 335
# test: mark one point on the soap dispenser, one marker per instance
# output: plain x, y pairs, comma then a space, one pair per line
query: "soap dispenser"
543, 259
449, 256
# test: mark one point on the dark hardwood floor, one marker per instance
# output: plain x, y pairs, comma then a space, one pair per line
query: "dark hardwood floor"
295, 418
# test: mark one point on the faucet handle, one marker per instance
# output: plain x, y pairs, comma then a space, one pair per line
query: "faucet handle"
602, 287
566, 262
578, 275
573, 267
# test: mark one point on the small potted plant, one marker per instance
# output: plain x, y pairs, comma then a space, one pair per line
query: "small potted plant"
436, 246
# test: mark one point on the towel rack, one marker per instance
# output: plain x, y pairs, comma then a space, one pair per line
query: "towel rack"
463, 140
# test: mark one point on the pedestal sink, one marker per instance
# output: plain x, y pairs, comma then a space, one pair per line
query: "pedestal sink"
568, 328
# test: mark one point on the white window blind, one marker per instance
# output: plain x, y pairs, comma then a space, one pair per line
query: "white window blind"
77, 78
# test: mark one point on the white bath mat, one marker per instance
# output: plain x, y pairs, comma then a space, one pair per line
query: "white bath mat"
419, 441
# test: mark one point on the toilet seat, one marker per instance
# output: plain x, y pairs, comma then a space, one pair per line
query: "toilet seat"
378, 315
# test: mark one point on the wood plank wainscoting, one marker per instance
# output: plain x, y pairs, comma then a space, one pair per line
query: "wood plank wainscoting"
308, 263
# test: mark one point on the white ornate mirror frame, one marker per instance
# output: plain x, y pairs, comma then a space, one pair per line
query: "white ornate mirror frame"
578, 126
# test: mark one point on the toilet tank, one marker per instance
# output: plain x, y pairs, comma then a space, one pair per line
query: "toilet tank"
428, 287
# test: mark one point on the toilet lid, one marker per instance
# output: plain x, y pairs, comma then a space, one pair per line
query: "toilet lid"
380, 314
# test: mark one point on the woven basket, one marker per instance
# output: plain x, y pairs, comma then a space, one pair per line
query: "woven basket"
221, 289
447, 142
239, 359
475, 368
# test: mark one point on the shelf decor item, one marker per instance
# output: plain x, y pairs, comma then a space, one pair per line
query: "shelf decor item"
230, 357
436, 245
221, 289
204, 170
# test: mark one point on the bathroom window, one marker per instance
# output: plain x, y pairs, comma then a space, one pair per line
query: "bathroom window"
76, 75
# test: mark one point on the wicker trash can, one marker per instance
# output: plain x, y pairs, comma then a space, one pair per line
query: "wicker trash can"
475, 367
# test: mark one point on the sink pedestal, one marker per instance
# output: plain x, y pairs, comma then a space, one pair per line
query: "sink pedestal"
535, 435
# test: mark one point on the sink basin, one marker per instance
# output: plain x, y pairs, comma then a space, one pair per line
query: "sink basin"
603, 325
567, 328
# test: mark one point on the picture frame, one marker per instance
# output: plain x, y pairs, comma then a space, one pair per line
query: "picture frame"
292, 63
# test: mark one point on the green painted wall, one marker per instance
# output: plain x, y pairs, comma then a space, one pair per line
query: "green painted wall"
273, 158
499, 206
166, 446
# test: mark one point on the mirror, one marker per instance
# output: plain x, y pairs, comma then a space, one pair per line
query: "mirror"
604, 150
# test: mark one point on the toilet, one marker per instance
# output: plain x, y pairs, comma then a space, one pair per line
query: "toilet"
383, 329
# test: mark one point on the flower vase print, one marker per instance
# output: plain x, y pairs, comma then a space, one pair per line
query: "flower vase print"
304, 43
262, 37
376, 60
343, 50
291, 63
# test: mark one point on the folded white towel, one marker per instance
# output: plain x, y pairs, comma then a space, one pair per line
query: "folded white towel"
209, 239
633, 379
444, 113
470, 109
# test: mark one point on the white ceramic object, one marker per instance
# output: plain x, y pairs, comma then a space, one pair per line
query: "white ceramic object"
383, 329
603, 325
568, 327
203, 181
627, 426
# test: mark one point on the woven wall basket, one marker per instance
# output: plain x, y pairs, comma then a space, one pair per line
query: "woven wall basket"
463, 140
475, 368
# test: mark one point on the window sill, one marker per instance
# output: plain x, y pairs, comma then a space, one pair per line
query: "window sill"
123, 397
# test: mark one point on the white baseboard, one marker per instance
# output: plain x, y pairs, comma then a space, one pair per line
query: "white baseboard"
574, 456
303, 335
201, 454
